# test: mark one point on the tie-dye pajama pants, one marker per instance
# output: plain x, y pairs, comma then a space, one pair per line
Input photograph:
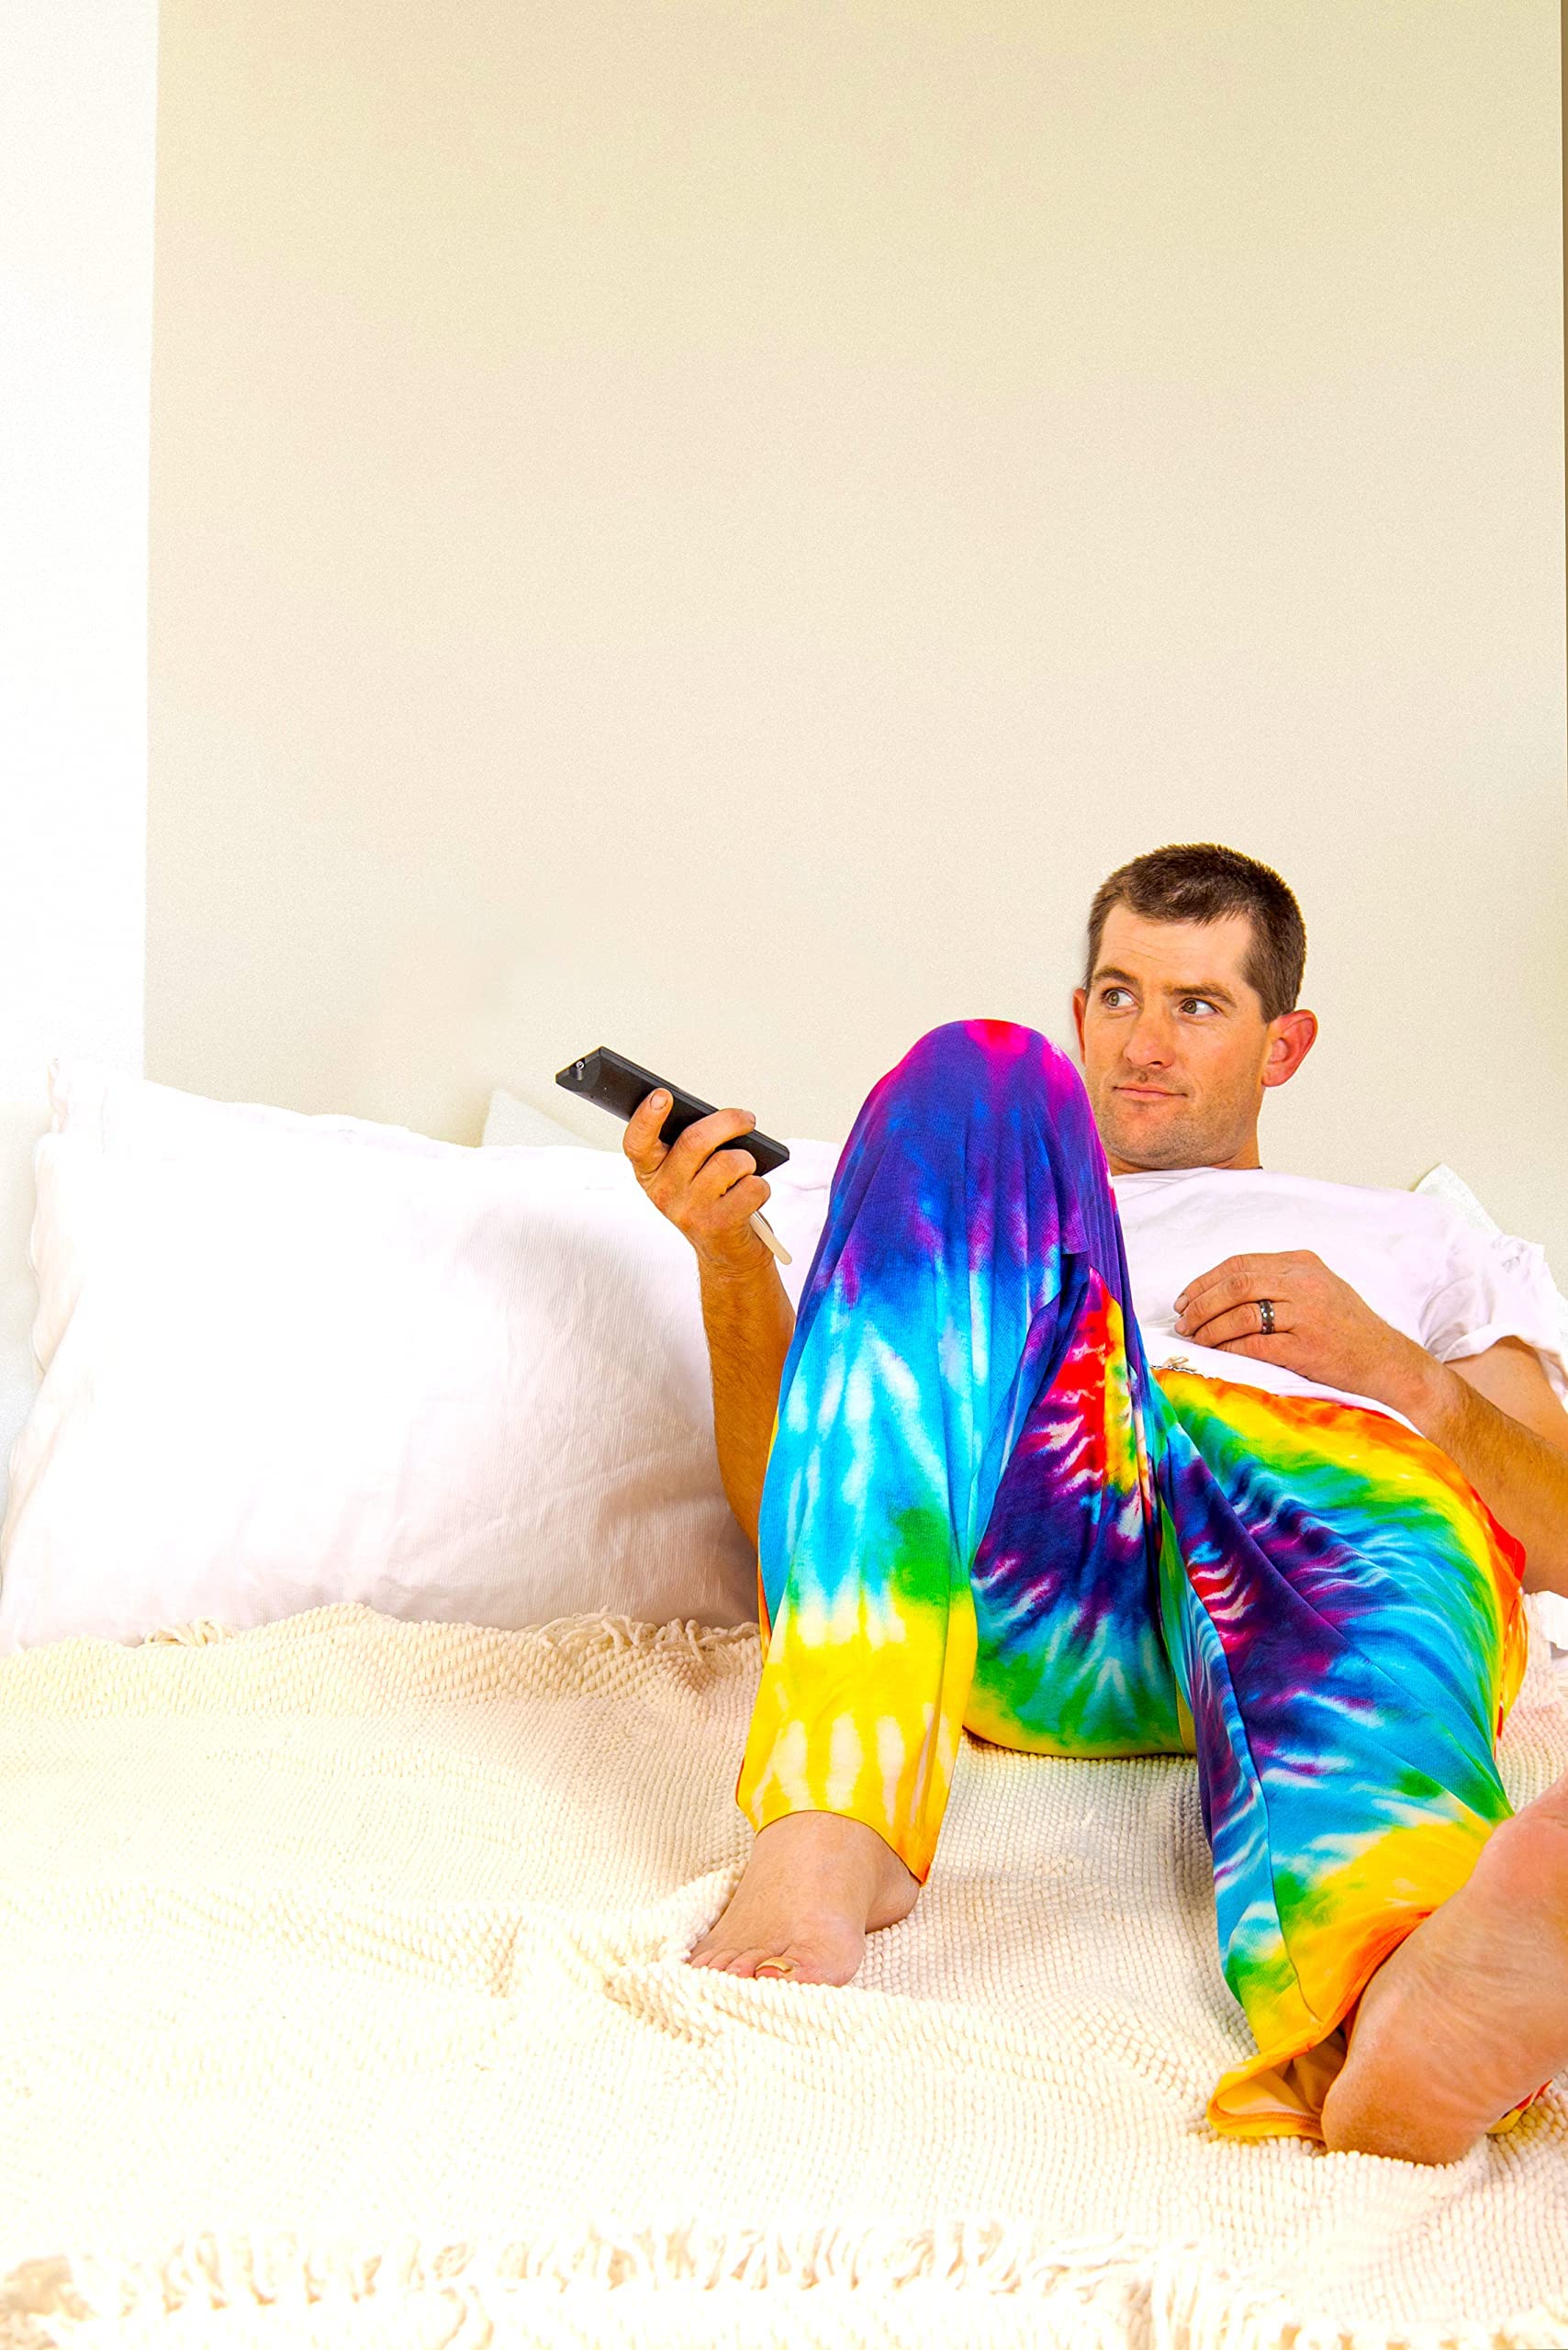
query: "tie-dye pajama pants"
984, 1512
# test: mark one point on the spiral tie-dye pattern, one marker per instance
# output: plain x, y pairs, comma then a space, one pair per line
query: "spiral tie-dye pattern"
982, 1512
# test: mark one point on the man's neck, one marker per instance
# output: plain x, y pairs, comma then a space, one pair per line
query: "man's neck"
1226, 1166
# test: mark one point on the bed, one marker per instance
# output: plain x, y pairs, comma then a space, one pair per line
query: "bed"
344, 1940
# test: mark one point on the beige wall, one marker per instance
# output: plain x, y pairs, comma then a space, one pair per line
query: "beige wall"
709, 528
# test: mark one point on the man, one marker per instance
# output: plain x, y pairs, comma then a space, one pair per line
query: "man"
1293, 1549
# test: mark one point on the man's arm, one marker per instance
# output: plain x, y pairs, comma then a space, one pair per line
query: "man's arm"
750, 1322
1519, 1471
710, 1194
1513, 1449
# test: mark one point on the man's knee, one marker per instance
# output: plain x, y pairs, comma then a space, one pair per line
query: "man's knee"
990, 1057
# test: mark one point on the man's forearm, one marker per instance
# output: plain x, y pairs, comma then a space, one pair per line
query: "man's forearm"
750, 1322
1523, 1478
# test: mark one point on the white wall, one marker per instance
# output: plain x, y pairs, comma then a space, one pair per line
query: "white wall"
711, 529
77, 102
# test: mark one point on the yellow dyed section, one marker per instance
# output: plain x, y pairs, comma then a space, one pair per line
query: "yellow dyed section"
1125, 1459
1365, 1910
859, 1711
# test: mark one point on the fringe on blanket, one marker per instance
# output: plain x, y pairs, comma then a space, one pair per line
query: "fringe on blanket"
987, 2284
570, 1635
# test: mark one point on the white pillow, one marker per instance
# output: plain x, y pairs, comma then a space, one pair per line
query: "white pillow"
21, 1123
795, 1208
1442, 1182
1447, 1185
289, 1361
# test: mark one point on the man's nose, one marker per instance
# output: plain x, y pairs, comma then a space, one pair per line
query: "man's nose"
1149, 1044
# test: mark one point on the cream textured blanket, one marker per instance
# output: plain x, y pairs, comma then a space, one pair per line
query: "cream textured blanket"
345, 2003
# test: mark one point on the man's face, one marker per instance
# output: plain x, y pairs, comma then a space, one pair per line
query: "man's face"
1175, 1044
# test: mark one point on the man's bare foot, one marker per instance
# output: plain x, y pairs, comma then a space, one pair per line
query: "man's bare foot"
815, 1885
1469, 2014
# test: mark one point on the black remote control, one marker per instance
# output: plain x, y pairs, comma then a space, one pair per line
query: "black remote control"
618, 1085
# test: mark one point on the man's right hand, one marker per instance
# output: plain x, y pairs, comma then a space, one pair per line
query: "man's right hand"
707, 1193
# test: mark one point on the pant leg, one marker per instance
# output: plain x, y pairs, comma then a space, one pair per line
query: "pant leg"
1343, 1612
965, 1324
981, 1510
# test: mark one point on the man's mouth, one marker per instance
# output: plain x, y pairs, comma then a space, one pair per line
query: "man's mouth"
1147, 1093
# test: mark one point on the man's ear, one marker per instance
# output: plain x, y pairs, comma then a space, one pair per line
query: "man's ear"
1079, 998
1294, 1034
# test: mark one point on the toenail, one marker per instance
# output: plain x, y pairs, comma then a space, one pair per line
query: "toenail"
775, 1965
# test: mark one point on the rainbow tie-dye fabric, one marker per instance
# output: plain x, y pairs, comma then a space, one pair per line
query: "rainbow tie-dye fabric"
984, 1512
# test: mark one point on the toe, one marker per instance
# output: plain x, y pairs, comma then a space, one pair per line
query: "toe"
746, 1961
784, 1962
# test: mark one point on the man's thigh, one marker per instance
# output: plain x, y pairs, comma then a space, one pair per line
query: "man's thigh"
1352, 1574
1070, 1655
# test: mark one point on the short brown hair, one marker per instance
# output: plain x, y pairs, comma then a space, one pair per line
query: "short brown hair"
1201, 881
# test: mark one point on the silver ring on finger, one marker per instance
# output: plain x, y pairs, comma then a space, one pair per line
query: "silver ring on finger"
1266, 1309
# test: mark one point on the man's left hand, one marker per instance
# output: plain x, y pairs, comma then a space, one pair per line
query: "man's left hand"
1322, 1327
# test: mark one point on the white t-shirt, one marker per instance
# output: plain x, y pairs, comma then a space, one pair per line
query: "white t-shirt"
1414, 1258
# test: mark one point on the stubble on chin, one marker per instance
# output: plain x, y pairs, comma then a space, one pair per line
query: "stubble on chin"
1170, 1146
